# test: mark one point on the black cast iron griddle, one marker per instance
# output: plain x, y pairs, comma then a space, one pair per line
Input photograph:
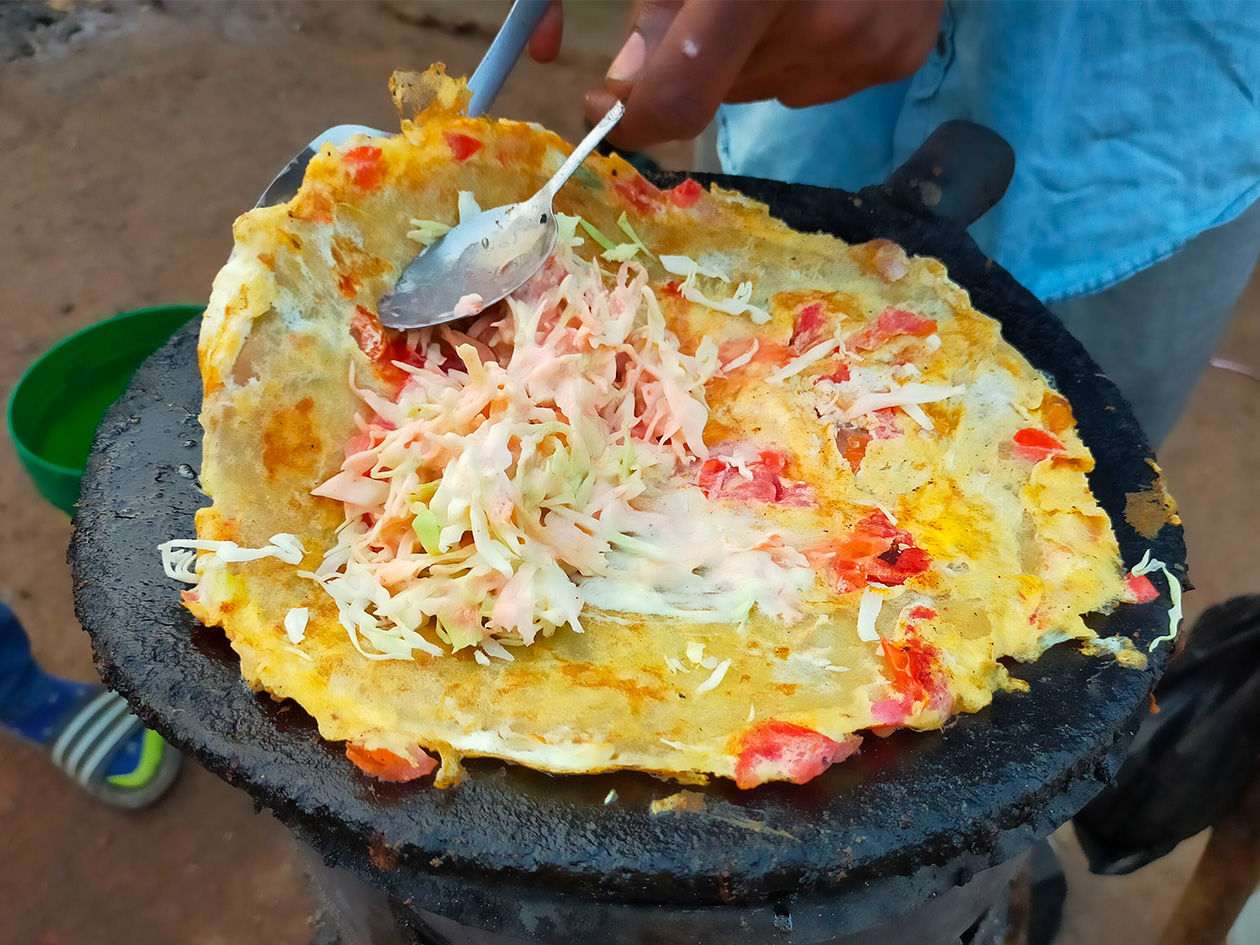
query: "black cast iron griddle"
544, 857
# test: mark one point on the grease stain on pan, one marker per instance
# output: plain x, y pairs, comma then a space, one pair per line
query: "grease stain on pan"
1149, 509
693, 802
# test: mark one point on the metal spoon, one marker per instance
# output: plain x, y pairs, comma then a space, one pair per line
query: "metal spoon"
486, 258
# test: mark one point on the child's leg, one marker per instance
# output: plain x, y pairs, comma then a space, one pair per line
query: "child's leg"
89, 731
32, 702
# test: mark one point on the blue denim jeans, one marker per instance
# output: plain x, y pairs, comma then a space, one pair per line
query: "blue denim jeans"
18, 673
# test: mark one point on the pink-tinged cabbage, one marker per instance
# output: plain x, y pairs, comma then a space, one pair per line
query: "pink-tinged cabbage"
529, 458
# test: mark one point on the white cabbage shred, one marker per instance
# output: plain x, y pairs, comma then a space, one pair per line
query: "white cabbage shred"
811, 356
737, 304
686, 266
428, 231
712, 682
180, 554
1147, 565
907, 395
868, 613
468, 206
295, 622
739, 361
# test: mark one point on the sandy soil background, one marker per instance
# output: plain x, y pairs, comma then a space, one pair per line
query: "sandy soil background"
132, 135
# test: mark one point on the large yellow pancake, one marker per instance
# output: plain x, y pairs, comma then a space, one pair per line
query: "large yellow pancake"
1019, 549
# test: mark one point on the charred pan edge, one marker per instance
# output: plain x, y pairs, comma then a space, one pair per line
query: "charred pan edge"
997, 780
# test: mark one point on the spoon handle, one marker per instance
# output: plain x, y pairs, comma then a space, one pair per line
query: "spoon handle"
587, 145
499, 59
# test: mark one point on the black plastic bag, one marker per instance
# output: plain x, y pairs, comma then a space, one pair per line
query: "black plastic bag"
1191, 761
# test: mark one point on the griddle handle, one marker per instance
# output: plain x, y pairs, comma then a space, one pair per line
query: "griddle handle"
958, 173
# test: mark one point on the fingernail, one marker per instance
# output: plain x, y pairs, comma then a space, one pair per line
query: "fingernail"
629, 62
596, 103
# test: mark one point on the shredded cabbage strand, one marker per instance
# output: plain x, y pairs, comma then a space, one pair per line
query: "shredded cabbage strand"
179, 555
1147, 565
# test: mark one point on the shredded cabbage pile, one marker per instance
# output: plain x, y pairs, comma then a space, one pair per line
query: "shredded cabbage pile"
534, 472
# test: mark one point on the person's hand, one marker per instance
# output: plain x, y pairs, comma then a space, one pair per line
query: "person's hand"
685, 57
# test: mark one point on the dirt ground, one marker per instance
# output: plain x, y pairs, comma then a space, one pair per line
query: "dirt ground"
131, 137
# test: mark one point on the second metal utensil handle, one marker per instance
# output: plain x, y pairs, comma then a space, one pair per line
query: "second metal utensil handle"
584, 148
501, 57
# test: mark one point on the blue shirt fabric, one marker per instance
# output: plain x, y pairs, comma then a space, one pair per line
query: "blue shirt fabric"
1136, 126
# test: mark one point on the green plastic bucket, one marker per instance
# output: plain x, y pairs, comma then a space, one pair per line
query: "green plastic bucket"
59, 402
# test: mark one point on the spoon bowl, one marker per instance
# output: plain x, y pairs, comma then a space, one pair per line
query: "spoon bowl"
485, 259
473, 266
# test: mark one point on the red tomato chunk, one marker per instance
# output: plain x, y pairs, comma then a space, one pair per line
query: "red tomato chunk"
462, 146
1034, 445
911, 668
686, 194
811, 328
781, 751
638, 193
365, 166
893, 322
1140, 590
388, 766
720, 479
875, 550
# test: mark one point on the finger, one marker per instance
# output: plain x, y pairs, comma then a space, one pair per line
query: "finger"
544, 42
805, 95
799, 87
796, 86
761, 87
678, 90
858, 49
794, 34
596, 103
650, 24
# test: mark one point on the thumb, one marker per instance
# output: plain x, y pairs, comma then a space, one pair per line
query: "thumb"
676, 90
